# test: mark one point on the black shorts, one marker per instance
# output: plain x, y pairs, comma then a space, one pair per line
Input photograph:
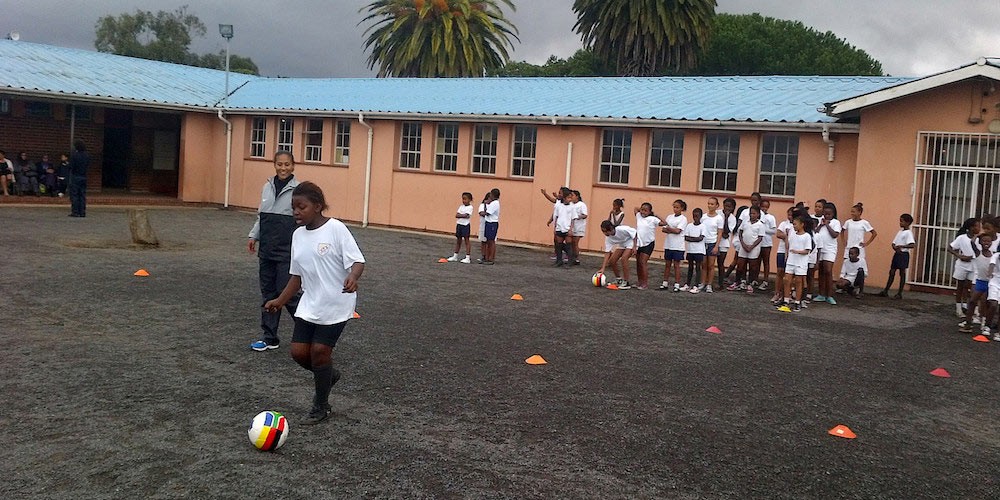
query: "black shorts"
562, 234
901, 260
462, 230
311, 333
646, 249
781, 261
491, 230
696, 257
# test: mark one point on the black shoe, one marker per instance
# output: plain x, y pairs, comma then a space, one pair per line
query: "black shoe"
883, 293
317, 415
558, 263
898, 296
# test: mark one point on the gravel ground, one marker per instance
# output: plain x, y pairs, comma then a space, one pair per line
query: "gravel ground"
126, 387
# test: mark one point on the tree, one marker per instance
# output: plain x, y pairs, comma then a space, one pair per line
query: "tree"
432, 38
237, 64
582, 63
645, 37
752, 44
163, 36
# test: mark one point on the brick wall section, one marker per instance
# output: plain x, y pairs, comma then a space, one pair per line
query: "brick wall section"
50, 135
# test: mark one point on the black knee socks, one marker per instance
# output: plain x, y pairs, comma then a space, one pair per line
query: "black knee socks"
324, 378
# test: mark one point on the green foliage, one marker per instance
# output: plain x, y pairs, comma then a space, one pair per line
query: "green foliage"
582, 63
437, 38
645, 37
752, 44
161, 36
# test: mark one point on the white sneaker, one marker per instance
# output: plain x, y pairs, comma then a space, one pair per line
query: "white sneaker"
695, 289
685, 288
466, 260
708, 289
453, 258
996, 337
677, 287
763, 285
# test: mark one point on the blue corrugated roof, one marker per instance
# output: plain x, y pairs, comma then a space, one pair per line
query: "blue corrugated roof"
74, 72
34, 67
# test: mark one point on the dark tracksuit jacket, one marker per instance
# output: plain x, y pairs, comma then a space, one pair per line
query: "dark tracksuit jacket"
275, 223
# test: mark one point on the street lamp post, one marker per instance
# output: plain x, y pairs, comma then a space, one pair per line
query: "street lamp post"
226, 30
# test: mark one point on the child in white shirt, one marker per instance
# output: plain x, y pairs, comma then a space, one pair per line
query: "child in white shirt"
673, 246
962, 248
619, 245
579, 225
492, 215
563, 213
770, 229
645, 228
463, 223
800, 245
852, 273
826, 243
694, 237
781, 234
713, 220
749, 237
981, 265
901, 246
993, 296
856, 231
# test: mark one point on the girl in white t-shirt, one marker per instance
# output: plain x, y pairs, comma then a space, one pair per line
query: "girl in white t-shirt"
713, 221
726, 233
963, 248
901, 246
799, 244
770, 229
781, 234
811, 285
673, 247
694, 242
977, 298
749, 237
579, 224
617, 215
646, 223
326, 265
463, 219
619, 245
482, 226
826, 243
856, 232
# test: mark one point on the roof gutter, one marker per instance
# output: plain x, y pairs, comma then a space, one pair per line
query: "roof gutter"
229, 155
111, 102
561, 120
368, 169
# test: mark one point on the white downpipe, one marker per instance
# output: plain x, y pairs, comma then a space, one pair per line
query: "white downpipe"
829, 143
569, 161
229, 155
368, 169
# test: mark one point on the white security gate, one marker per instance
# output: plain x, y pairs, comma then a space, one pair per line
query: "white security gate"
957, 177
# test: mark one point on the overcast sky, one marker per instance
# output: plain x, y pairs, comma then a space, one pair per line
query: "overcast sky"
320, 38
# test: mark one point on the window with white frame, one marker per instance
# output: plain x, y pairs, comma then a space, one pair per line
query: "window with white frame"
523, 154
779, 162
286, 134
258, 137
342, 149
666, 148
314, 140
409, 146
722, 157
446, 148
616, 153
484, 150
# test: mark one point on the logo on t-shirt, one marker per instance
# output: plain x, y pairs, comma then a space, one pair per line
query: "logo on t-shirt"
323, 248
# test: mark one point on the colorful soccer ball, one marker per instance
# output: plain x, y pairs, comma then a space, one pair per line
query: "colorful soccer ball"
268, 430
599, 280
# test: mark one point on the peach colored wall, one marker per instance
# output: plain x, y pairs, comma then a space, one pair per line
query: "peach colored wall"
426, 199
202, 175
887, 150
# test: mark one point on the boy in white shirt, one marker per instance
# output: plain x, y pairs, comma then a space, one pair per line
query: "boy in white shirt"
852, 273
980, 289
463, 229
563, 213
749, 237
694, 237
901, 246
579, 225
492, 216
993, 296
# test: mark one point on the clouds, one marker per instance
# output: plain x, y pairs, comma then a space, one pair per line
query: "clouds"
321, 38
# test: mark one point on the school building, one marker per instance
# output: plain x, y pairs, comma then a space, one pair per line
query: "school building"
399, 152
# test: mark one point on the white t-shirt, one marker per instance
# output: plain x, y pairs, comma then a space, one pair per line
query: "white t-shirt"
750, 231
464, 210
856, 230
675, 241
798, 242
713, 224
995, 260
323, 257
824, 242
695, 230
903, 237
770, 227
482, 220
981, 264
726, 243
849, 271
963, 244
785, 228
645, 228
493, 211
562, 214
580, 225
624, 237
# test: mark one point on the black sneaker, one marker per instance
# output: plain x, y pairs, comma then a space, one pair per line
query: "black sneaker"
317, 415
797, 307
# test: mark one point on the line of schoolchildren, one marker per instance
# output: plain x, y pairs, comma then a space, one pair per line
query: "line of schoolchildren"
975, 270
489, 226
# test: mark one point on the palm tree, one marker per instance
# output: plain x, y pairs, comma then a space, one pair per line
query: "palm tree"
645, 37
432, 38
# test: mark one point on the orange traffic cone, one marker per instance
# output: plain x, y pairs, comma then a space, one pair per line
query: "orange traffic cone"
940, 372
356, 315
713, 329
536, 360
141, 272
981, 338
516, 296
442, 261
612, 287
842, 431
